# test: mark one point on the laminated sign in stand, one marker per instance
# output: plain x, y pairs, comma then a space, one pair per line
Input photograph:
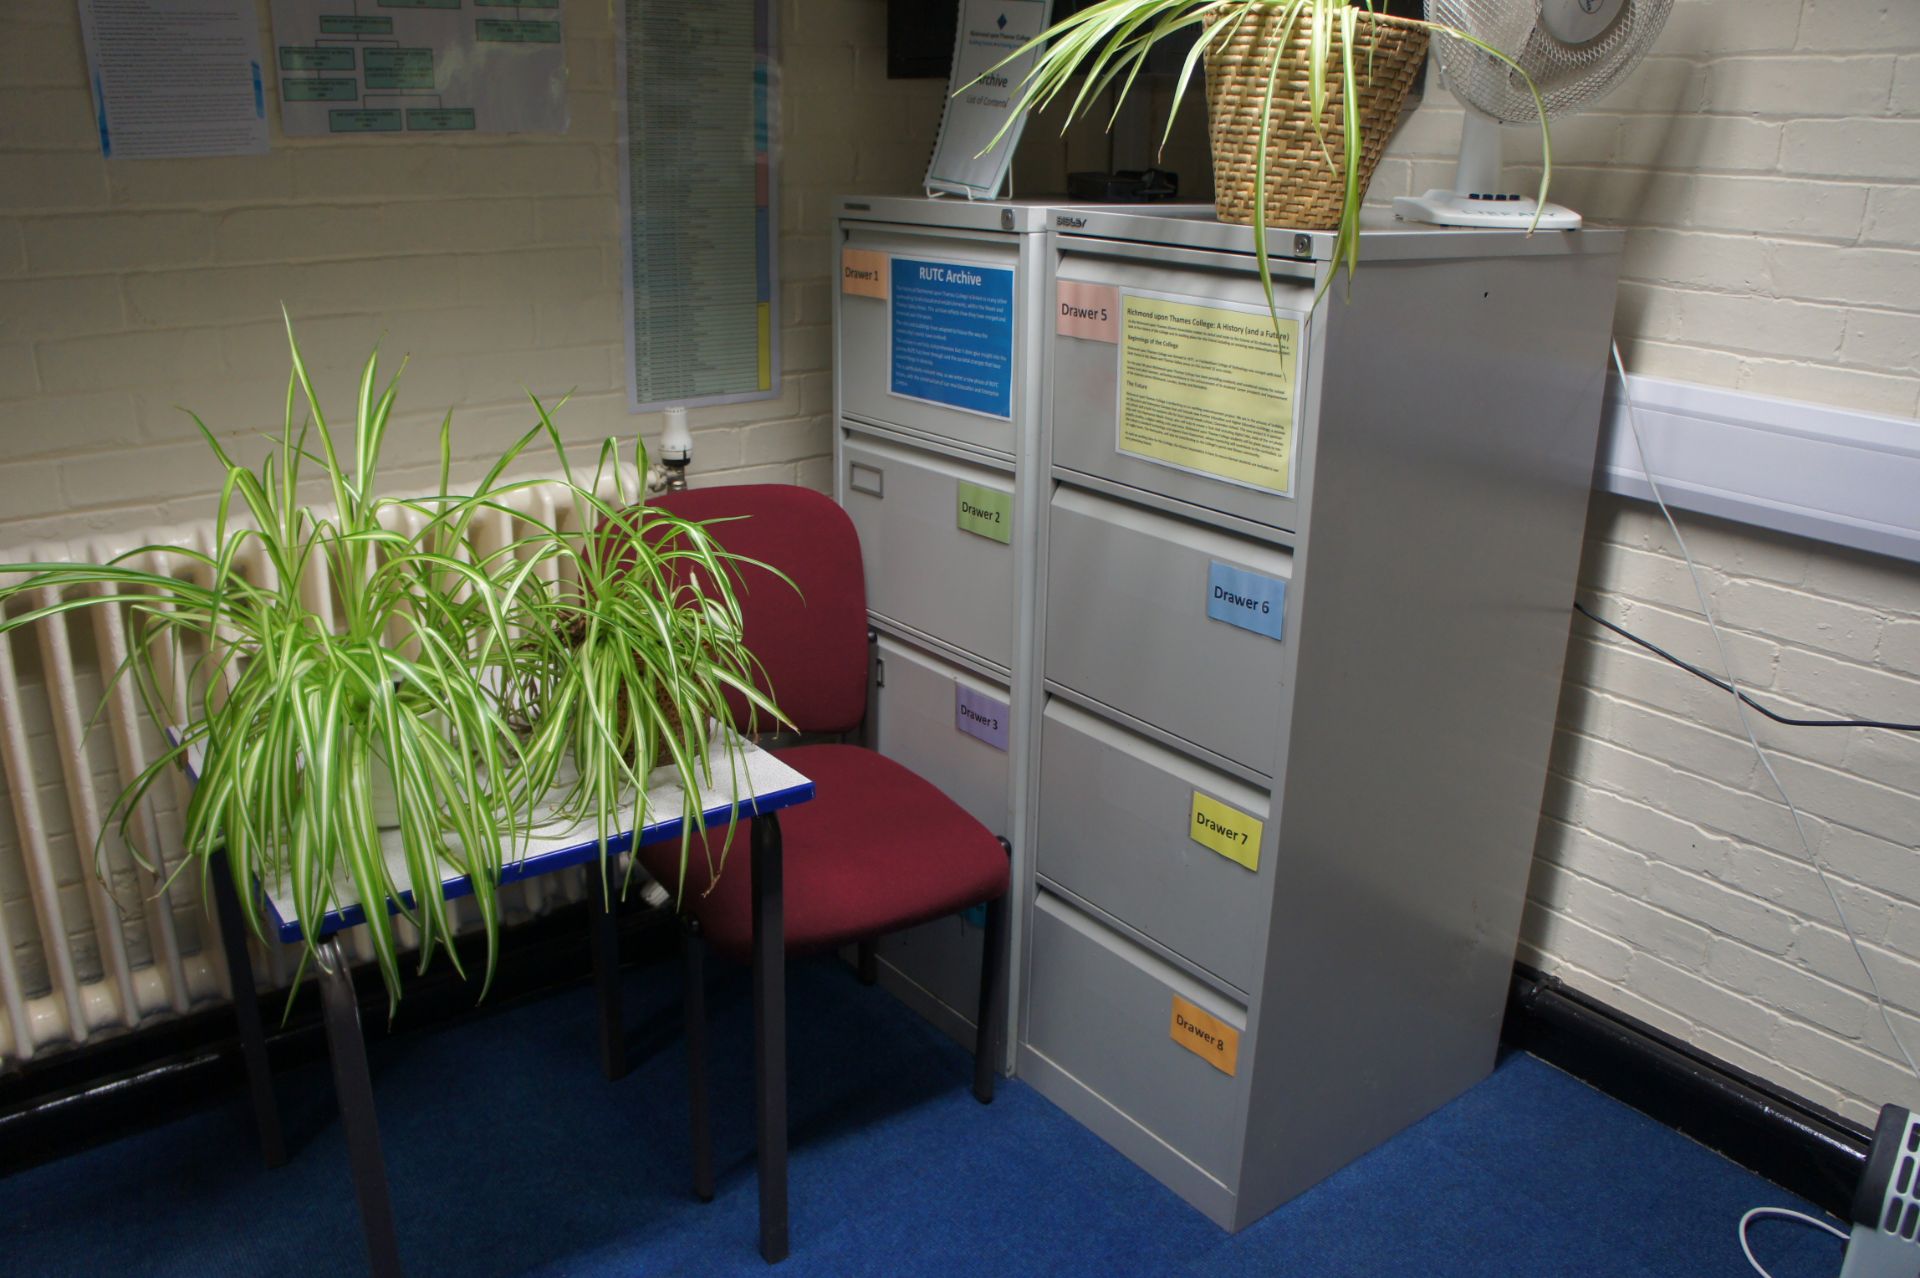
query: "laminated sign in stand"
987, 32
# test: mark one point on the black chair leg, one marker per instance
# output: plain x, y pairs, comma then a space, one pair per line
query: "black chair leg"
867, 953
986, 1035
993, 995
695, 951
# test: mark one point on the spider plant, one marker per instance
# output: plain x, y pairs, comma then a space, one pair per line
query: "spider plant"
635, 661
1106, 45
322, 645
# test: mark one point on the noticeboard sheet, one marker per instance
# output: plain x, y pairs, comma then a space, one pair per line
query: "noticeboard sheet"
1210, 388
698, 186
173, 79
950, 334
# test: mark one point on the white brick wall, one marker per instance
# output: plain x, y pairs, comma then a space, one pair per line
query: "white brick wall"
1766, 162
128, 289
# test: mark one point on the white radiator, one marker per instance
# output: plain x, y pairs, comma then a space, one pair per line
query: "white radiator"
84, 954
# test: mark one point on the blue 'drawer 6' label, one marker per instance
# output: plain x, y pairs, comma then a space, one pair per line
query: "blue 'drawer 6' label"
1246, 599
951, 334
980, 716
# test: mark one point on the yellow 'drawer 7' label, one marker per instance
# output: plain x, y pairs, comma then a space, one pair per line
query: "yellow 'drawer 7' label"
1228, 831
1206, 1036
1209, 390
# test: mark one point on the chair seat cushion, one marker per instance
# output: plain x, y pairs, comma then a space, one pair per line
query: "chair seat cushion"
876, 849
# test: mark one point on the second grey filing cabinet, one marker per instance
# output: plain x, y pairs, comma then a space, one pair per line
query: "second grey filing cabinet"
1302, 628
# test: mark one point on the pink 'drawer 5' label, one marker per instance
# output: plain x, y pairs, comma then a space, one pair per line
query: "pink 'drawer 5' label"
1091, 311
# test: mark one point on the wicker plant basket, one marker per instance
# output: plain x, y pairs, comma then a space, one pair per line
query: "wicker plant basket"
1306, 169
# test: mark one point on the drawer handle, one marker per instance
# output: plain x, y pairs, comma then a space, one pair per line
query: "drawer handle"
866, 479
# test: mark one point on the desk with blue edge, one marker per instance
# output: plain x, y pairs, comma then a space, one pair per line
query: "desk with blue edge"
767, 785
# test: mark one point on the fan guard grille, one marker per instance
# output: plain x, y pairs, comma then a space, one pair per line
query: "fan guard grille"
1567, 75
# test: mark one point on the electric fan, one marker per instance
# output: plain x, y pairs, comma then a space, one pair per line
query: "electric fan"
1886, 1206
1575, 50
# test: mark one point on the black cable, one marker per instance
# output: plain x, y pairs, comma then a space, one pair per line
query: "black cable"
1724, 686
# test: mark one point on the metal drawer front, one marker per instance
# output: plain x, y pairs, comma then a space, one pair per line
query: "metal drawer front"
920, 726
1101, 1008
1117, 827
923, 570
1128, 624
925, 355
1090, 376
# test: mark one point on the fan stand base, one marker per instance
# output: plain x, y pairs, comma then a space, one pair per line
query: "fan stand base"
1507, 212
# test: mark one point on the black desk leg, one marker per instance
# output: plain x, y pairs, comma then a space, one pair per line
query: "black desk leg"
246, 1012
770, 1034
353, 1086
698, 1109
605, 940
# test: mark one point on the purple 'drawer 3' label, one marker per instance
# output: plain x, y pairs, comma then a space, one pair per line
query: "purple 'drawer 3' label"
980, 716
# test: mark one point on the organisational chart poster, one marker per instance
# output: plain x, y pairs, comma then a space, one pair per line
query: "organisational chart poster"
951, 335
1209, 389
420, 66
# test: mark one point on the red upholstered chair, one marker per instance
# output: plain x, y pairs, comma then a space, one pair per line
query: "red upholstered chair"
878, 848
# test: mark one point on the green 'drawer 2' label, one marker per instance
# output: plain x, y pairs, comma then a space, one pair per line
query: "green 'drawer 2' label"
985, 512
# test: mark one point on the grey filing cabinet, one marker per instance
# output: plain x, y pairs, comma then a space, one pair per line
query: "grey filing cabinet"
1297, 686
939, 316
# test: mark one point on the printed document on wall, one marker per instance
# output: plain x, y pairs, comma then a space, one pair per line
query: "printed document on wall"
699, 191
175, 77
420, 66
989, 31
1210, 389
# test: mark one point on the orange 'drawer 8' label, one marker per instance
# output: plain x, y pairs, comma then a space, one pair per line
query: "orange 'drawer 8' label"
1206, 1036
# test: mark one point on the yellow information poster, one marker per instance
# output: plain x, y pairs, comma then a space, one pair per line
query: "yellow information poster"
1208, 389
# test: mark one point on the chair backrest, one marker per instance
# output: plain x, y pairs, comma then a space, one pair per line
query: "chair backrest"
812, 644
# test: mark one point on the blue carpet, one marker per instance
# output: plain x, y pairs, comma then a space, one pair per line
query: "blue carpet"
510, 1155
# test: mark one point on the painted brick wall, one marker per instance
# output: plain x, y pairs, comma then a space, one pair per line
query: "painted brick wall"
132, 287
1766, 159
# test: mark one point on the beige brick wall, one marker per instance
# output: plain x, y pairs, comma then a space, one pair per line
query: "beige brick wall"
1766, 160
130, 288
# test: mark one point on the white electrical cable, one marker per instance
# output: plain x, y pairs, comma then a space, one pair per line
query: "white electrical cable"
1784, 1214
1799, 826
